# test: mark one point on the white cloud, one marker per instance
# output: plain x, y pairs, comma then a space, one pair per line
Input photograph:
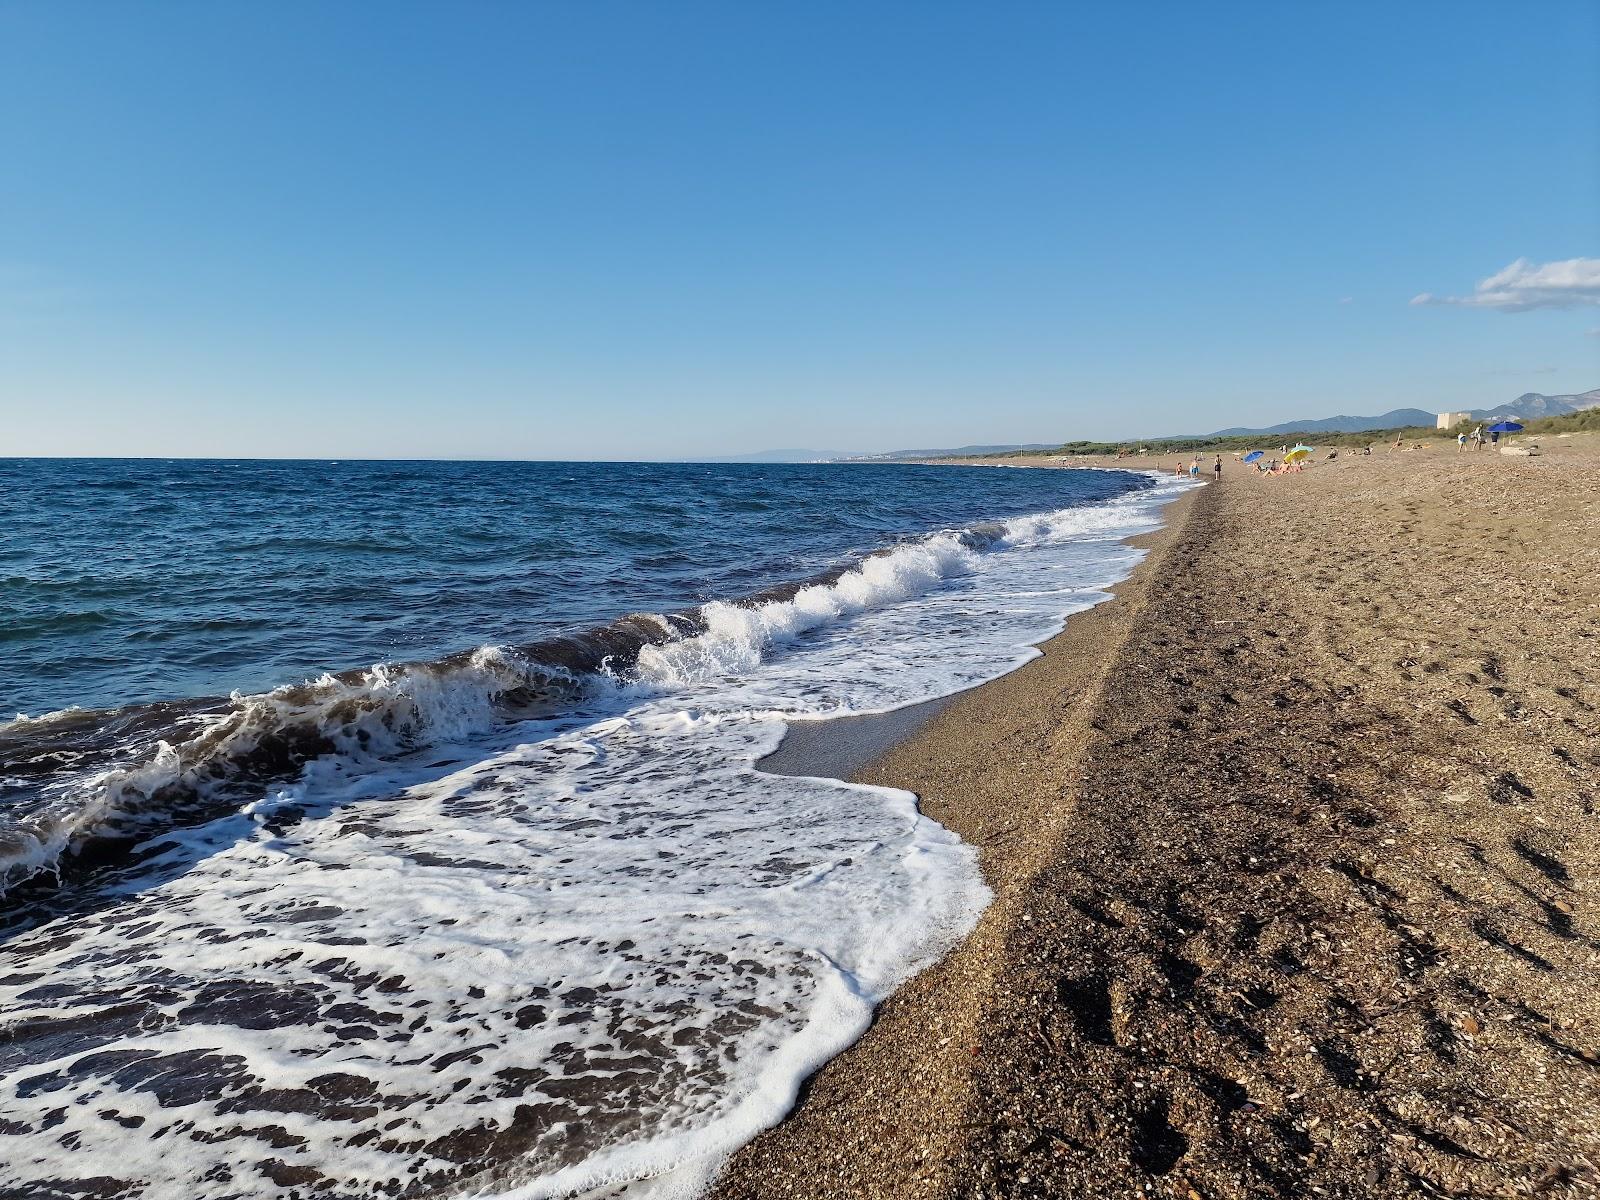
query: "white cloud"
1523, 285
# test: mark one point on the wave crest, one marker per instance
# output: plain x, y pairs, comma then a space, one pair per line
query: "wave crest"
736, 637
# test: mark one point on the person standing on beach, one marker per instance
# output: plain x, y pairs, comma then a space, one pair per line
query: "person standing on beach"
1216, 469
1461, 440
1477, 438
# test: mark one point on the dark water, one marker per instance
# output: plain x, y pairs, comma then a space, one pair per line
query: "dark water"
124, 581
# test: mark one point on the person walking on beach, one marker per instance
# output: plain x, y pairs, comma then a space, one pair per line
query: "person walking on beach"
1461, 440
1477, 438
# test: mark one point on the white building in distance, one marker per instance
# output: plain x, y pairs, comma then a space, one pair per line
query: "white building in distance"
1451, 420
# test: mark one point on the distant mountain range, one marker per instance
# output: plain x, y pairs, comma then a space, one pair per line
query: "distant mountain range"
1393, 419
1532, 404
1527, 406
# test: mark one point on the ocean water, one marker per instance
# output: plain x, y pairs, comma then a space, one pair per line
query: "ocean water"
390, 829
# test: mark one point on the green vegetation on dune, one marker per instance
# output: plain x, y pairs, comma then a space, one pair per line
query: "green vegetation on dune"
1369, 437
1579, 422
1587, 421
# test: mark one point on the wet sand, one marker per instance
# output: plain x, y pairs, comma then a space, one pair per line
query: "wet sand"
844, 747
1294, 850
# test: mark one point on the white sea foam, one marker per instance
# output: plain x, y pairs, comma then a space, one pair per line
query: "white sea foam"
381, 712
574, 952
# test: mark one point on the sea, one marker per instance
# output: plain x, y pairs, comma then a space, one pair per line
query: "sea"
392, 829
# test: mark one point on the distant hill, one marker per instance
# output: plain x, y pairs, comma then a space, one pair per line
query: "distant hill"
1393, 419
1528, 406
1531, 405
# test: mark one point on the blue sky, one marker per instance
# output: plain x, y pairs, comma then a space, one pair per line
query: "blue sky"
639, 230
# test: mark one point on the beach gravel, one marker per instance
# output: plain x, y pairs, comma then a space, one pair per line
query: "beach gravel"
1295, 857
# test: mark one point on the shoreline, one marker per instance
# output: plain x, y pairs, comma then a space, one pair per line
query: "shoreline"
1291, 863
916, 1055
852, 748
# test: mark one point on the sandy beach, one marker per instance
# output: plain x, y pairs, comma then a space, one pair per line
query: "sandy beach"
1293, 848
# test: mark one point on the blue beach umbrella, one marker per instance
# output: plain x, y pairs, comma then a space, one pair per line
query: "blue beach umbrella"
1253, 455
1505, 427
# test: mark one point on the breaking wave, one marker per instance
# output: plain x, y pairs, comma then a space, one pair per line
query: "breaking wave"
187, 761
